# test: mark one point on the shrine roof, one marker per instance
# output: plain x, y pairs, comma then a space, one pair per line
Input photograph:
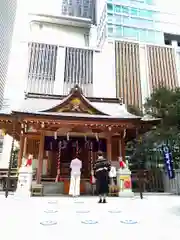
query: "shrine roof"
75, 105
39, 106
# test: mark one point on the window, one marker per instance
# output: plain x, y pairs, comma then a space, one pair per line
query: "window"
134, 11
117, 9
110, 30
110, 7
141, 22
125, 10
131, 33
125, 20
146, 13
118, 19
119, 31
110, 18
151, 36
42, 67
142, 35
150, 2
159, 36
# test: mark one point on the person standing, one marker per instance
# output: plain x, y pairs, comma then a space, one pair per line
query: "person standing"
101, 172
75, 167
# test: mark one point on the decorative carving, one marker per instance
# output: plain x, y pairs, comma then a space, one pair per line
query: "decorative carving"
76, 105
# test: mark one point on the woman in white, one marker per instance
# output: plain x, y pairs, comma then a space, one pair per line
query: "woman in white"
75, 166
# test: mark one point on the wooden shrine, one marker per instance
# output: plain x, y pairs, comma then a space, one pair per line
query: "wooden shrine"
56, 128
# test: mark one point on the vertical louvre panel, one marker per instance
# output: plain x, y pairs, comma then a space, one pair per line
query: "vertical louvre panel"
128, 73
78, 70
162, 67
42, 68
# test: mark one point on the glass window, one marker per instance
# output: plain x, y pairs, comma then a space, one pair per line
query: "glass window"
142, 35
110, 17
150, 2
110, 29
125, 10
117, 19
146, 13
117, 8
151, 36
119, 31
125, 20
109, 7
134, 11
131, 33
159, 37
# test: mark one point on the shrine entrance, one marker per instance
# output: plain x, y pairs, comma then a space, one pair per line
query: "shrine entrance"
85, 148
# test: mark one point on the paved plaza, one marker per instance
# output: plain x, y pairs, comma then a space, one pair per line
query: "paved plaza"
154, 217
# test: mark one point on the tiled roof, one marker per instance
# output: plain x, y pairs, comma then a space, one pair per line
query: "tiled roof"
113, 110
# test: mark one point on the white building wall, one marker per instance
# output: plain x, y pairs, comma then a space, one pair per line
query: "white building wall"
104, 84
58, 34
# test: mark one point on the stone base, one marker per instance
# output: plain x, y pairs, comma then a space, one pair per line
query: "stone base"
126, 194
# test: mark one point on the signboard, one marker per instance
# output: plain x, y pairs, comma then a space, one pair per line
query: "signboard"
168, 161
125, 182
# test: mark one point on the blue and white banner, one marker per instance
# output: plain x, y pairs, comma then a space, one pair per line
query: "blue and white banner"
168, 161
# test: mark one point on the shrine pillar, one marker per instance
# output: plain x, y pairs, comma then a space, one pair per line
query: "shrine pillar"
40, 158
21, 150
109, 148
25, 146
122, 149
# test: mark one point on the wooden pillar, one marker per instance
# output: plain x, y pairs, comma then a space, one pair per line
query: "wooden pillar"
109, 148
25, 146
40, 159
123, 152
21, 150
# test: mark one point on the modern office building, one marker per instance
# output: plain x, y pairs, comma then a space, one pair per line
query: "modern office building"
133, 20
7, 19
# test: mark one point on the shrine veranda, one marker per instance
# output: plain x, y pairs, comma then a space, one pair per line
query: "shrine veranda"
56, 128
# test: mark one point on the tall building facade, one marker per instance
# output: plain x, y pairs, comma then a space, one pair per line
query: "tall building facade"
133, 20
7, 19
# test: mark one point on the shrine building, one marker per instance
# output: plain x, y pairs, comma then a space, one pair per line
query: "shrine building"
55, 129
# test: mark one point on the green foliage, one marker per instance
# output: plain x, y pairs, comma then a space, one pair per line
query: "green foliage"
163, 103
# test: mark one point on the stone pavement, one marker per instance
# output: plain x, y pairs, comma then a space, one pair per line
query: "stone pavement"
154, 217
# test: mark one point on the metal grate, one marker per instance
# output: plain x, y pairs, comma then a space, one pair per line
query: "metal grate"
42, 68
78, 70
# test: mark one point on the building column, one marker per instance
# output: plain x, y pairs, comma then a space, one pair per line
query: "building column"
40, 158
21, 151
109, 148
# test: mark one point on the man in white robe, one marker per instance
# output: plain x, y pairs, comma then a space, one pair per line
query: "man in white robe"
75, 166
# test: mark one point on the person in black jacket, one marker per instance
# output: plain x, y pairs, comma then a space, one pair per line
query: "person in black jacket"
101, 172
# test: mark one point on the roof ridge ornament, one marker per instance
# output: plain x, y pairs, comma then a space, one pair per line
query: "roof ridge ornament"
76, 89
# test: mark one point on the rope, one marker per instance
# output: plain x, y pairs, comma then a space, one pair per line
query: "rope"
59, 162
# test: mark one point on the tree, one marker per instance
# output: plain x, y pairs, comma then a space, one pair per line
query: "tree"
163, 103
